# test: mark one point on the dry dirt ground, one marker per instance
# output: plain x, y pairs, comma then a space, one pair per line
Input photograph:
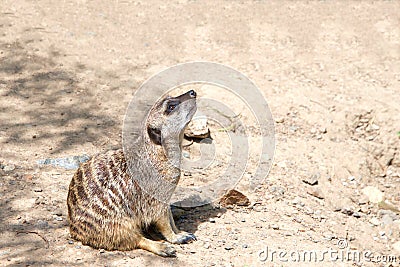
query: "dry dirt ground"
330, 71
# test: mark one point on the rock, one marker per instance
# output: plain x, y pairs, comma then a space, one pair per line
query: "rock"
312, 179
374, 221
207, 245
396, 246
280, 120
69, 163
374, 194
356, 214
386, 219
234, 197
58, 212
315, 192
59, 219
211, 220
275, 226
228, 248
198, 128
362, 200
38, 190
41, 224
245, 246
9, 168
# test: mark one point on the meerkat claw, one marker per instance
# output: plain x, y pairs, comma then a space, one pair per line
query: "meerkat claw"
168, 251
185, 238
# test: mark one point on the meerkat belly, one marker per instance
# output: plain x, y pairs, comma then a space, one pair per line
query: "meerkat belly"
106, 206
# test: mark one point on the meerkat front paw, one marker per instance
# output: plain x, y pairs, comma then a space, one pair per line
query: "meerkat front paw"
166, 250
184, 238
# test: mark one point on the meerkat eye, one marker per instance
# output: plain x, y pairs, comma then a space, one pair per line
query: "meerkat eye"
171, 107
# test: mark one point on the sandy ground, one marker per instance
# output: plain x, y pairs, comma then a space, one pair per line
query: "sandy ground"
330, 71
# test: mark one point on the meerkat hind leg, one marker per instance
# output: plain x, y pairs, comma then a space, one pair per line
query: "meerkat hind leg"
167, 228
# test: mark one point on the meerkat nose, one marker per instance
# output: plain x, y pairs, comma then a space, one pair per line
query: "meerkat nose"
192, 93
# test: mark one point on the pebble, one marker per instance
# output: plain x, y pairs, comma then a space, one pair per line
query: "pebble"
315, 192
228, 248
356, 214
9, 168
245, 246
275, 226
185, 154
58, 212
59, 219
211, 220
374, 194
41, 224
312, 179
70, 242
396, 246
77, 246
280, 120
207, 245
387, 219
374, 221
69, 163
198, 128
38, 190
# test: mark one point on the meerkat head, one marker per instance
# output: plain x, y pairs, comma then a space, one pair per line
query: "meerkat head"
168, 117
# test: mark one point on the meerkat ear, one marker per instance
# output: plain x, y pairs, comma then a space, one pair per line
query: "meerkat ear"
155, 135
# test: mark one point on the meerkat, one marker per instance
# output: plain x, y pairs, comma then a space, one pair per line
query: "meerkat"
112, 201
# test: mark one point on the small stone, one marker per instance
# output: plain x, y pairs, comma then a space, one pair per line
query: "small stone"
28, 176
101, 251
243, 220
207, 245
58, 212
211, 220
70, 242
37, 190
234, 197
41, 224
228, 248
275, 226
396, 246
387, 219
185, 154
363, 200
312, 179
197, 128
59, 219
77, 246
9, 168
382, 233
374, 194
356, 214
280, 120
374, 221
351, 178
315, 192
245, 246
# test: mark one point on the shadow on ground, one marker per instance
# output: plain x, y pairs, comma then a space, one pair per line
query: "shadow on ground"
46, 101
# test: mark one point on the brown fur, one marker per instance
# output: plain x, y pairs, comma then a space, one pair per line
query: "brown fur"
111, 203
